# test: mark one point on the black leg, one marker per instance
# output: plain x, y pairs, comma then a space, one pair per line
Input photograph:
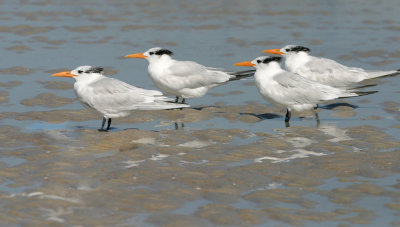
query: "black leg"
288, 115
317, 117
102, 125
109, 124
177, 125
176, 99
183, 101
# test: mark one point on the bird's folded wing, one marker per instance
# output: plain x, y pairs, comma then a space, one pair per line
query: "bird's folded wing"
302, 90
185, 68
114, 95
190, 74
326, 66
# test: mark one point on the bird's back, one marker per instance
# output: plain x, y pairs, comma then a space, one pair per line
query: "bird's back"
331, 72
115, 98
186, 77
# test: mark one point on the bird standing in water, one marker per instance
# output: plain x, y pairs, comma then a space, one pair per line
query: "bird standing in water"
114, 98
184, 79
290, 90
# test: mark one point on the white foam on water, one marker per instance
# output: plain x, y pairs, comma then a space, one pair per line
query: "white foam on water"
132, 163
300, 153
158, 157
145, 140
201, 162
54, 214
196, 144
42, 195
299, 142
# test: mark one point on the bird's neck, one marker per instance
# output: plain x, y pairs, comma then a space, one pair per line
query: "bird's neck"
294, 61
160, 65
265, 72
88, 78
163, 60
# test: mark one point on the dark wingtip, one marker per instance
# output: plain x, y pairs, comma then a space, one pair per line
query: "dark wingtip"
241, 74
362, 93
364, 86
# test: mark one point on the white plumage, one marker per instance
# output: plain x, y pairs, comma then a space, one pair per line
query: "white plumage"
114, 98
327, 71
185, 79
291, 90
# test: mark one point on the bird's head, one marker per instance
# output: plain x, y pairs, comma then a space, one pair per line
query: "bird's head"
288, 50
152, 54
81, 72
260, 62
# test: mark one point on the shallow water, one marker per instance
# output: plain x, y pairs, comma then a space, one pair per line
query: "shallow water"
229, 160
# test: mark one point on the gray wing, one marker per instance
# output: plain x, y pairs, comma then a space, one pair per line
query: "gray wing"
296, 89
331, 72
112, 95
190, 74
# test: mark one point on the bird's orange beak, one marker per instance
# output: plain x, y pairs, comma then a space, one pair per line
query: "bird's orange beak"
273, 51
244, 63
137, 55
64, 74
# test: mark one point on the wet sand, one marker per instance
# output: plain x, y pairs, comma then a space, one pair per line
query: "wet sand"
228, 160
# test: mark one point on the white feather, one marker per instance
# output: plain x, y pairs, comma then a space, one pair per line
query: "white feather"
186, 79
291, 90
325, 70
114, 98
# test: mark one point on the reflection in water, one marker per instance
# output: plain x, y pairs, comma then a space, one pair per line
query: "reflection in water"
177, 125
332, 130
234, 163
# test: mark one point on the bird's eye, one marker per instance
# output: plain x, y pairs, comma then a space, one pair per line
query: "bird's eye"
258, 61
80, 71
287, 50
151, 53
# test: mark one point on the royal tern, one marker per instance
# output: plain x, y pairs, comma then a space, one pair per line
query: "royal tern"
114, 98
291, 90
327, 71
184, 79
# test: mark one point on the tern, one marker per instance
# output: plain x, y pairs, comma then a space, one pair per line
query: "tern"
290, 90
111, 97
184, 79
327, 71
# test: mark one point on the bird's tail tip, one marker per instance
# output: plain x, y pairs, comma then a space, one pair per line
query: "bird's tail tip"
363, 86
379, 74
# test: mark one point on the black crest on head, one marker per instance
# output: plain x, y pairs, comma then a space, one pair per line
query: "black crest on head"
270, 59
95, 70
299, 48
163, 51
